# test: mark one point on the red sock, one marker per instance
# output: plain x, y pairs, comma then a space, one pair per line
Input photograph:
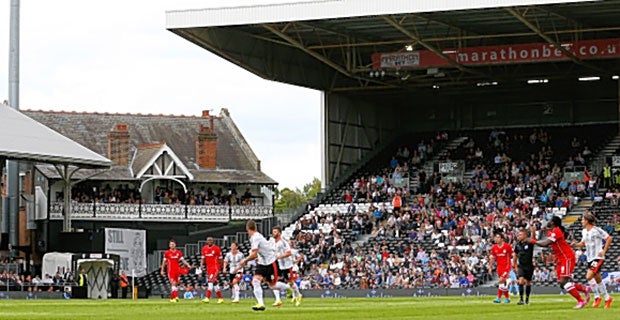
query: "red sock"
218, 293
575, 293
499, 293
174, 294
580, 287
208, 294
507, 294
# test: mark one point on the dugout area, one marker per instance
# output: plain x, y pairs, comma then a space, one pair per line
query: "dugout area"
98, 267
388, 68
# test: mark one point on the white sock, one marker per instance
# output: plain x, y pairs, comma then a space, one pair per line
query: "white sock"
603, 289
276, 294
296, 292
258, 292
595, 288
236, 291
281, 286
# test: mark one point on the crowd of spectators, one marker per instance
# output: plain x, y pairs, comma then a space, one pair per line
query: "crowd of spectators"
441, 236
13, 277
125, 193
393, 178
435, 245
405, 267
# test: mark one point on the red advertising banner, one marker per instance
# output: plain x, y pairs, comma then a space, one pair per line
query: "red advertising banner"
518, 53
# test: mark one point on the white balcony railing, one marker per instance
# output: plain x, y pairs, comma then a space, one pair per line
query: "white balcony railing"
159, 212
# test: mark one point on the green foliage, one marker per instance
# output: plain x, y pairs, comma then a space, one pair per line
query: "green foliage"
312, 189
288, 199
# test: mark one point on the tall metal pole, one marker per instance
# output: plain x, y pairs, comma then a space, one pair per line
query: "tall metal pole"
13, 166
66, 225
4, 211
325, 178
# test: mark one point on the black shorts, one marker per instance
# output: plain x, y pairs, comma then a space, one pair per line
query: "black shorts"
595, 265
233, 276
268, 272
284, 274
525, 273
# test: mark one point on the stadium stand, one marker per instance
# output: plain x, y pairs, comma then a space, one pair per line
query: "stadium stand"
440, 238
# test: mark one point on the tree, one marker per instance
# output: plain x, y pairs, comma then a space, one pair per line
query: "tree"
312, 189
288, 199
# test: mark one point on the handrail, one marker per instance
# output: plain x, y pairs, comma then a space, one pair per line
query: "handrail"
159, 212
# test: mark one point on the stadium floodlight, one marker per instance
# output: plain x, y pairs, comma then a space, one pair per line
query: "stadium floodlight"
589, 78
615, 77
435, 86
409, 47
537, 81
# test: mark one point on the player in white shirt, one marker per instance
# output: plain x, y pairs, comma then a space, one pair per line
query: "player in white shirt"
266, 268
285, 265
233, 260
592, 239
298, 257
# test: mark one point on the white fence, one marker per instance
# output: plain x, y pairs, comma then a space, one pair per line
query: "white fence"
158, 212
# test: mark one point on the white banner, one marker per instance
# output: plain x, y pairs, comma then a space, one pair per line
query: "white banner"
398, 60
130, 245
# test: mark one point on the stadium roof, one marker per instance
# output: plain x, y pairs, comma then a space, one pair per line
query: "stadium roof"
22, 138
326, 9
329, 45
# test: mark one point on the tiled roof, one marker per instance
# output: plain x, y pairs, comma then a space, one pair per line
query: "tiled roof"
178, 132
114, 173
143, 156
232, 176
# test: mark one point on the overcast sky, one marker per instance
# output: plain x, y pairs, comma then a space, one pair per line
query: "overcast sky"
117, 56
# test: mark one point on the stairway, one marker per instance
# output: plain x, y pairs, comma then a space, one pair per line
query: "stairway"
601, 157
576, 212
429, 164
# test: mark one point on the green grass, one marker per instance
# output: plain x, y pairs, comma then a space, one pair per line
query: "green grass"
543, 307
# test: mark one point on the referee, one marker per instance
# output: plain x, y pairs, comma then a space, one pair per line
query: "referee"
522, 260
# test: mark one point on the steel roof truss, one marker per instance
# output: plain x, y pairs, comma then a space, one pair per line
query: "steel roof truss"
555, 43
319, 57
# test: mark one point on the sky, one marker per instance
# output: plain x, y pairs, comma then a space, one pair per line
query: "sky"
117, 56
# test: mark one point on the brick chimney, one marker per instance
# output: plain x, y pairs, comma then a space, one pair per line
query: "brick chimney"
206, 144
118, 145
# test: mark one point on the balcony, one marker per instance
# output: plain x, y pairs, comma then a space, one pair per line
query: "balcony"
159, 212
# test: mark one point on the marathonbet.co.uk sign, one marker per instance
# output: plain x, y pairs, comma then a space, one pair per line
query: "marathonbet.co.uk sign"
518, 53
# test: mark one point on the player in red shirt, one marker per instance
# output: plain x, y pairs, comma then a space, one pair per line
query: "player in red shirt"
502, 253
172, 260
212, 258
565, 263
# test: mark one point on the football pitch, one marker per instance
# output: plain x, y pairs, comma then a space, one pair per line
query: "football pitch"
542, 307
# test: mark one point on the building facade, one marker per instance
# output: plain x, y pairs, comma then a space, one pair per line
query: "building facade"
171, 174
